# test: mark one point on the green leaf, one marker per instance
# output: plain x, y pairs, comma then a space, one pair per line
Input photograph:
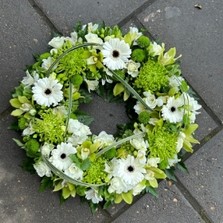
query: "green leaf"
118, 198
65, 192
184, 86
75, 159
85, 164
27, 165
152, 191
58, 187
127, 197
15, 103
110, 154
17, 112
170, 174
84, 118
118, 89
23, 99
158, 174
181, 166
19, 143
46, 182
153, 183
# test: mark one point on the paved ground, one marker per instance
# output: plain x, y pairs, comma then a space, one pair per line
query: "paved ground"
26, 27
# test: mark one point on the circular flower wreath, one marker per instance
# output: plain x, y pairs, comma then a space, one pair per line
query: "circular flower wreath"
104, 168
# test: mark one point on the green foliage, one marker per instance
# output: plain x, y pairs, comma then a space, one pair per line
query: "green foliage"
46, 183
139, 55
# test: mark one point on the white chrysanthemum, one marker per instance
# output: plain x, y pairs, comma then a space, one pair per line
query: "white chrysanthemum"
93, 38
42, 169
74, 172
93, 195
104, 139
130, 170
118, 186
91, 85
60, 156
133, 68
47, 91
57, 42
116, 53
30, 79
172, 111
153, 161
79, 132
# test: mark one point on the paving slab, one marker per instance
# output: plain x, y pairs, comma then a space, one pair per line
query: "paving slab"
20, 199
205, 180
66, 13
23, 33
170, 207
197, 34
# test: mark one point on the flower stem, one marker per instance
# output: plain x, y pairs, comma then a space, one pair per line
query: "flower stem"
131, 90
69, 105
121, 141
68, 51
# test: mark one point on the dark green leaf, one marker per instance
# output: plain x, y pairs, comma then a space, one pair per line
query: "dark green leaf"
170, 174
85, 164
75, 159
181, 166
152, 191
46, 182
27, 165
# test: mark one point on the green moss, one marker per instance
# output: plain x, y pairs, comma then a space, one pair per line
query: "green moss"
152, 77
32, 147
144, 117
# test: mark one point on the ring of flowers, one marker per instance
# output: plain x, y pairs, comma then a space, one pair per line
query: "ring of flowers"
56, 135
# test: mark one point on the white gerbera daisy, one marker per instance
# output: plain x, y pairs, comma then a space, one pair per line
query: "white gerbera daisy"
60, 156
130, 170
172, 111
93, 195
116, 53
47, 91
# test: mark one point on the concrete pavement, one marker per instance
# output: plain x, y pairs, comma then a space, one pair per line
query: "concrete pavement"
26, 28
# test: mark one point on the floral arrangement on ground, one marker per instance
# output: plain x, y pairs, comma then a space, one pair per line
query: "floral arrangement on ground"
129, 68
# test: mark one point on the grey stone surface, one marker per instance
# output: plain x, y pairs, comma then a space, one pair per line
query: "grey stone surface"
66, 13
20, 200
23, 34
170, 207
197, 34
205, 180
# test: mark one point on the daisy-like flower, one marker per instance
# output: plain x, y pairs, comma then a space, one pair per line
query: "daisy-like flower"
116, 53
130, 170
172, 111
47, 91
93, 195
60, 156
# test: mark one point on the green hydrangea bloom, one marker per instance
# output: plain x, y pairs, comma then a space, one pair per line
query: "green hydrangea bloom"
96, 174
138, 55
74, 63
143, 41
152, 77
162, 143
50, 127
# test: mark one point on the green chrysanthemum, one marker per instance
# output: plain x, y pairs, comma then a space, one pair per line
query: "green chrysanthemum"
50, 128
152, 77
96, 174
162, 143
73, 63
